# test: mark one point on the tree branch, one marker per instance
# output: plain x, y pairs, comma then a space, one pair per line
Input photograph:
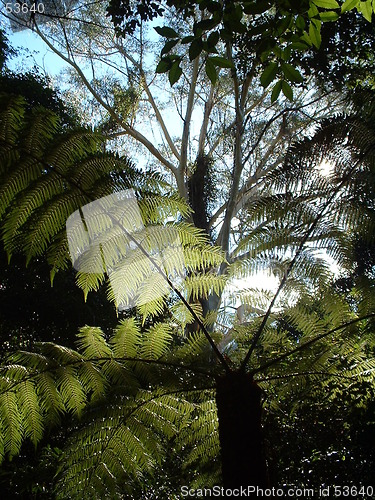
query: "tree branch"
223, 238
131, 131
151, 100
186, 130
207, 112
309, 343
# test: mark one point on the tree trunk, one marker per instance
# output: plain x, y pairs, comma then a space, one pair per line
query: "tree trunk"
238, 400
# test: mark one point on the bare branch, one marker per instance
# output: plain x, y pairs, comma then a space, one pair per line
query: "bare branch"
217, 214
131, 131
186, 129
207, 112
151, 100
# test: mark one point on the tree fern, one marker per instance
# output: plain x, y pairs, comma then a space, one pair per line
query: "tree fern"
130, 412
150, 386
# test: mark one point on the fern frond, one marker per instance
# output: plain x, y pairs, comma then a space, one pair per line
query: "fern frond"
201, 437
155, 341
11, 423
183, 316
92, 343
47, 174
12, 114
156, 209
126, 340
120, 445
50, 399
203, 285
32, 413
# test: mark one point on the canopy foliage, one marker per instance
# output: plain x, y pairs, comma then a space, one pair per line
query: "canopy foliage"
273, 36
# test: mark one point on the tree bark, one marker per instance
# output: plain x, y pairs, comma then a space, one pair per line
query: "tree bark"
238, 400
198, 195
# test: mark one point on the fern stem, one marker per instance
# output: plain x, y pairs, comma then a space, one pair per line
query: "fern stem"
239, 410
51, 369
304, 374
309, 343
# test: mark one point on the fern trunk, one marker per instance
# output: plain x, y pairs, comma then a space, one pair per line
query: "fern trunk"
238, 400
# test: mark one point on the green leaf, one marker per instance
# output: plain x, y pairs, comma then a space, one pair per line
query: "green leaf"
266, 46
366, 10
213, 39
207, 24
210, 49
278, 52
287, 90
203, 4
214, 7
166, 32
326, 4
302, 45
226, 34
211, 71
168, 46
175, 72
291, 73
268, 74
187, 39
221, 62
315, 36
313, 11
300, 23
235, 26
238, 27
164, 65
256, 7
329, 16
233, 12
284, 24
349, 5
286, 53
195, 49
276, 91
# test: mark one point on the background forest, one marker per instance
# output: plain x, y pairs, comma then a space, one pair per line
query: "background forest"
246, 132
